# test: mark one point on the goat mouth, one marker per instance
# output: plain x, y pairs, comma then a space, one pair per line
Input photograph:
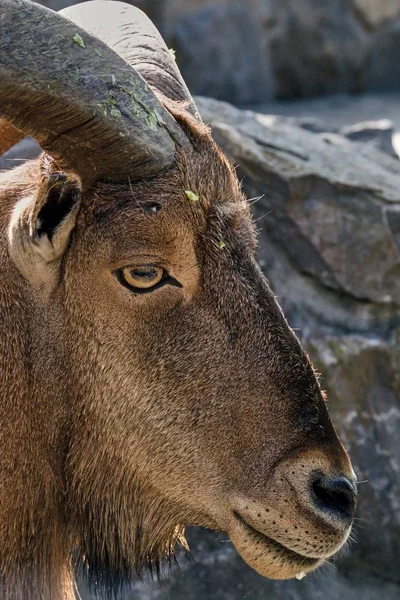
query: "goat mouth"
289, 558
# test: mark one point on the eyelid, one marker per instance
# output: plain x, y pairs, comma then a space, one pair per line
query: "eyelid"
167, 279
142, 260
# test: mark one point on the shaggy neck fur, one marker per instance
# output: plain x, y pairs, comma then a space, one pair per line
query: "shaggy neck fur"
52, 522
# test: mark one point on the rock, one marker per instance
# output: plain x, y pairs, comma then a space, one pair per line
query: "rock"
316, 48
219, 574
362, 376
374, 12
58, 4
220, 52
377, 133
25, 149
383, 50
303, 47
322, 194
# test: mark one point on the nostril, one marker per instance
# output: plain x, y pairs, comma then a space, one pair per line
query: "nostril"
336, 494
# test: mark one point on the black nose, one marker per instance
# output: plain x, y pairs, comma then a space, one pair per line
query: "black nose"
334, 494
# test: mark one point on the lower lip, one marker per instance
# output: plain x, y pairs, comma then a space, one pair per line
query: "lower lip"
302, 562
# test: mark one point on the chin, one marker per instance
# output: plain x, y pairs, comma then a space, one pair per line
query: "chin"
269, 557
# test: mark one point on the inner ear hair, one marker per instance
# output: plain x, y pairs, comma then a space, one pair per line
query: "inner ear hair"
57, 196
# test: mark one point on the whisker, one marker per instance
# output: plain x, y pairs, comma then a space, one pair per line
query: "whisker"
255, 199
249, 592
263, 216
190, 556
329, 566
353, 537
133, 195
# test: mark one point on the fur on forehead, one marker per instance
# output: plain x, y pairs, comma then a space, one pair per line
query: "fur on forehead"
204, 171
219, 205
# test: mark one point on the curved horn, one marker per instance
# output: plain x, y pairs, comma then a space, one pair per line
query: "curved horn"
87, 108
130, 33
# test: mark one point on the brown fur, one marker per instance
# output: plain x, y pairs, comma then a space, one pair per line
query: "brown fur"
125, 418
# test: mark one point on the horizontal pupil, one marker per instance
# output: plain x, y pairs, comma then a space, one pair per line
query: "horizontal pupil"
144, 274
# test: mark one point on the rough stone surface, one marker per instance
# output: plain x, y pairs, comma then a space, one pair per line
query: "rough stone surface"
362, 376
317, 47
377, 133
376, 11
216, 572
25, 149
383, 52
325, 192
228, 39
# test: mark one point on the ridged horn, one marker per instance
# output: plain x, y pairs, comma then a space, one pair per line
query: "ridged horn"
130, 33
85, 105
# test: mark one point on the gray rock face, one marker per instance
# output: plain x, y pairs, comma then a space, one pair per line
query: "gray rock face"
375, 12
362, 375
24, 150
228, 39
323, 192
376, 133
384, 68
316, 47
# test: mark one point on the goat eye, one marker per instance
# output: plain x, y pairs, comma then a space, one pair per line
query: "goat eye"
141, 278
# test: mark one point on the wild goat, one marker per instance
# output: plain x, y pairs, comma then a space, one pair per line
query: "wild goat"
149, 379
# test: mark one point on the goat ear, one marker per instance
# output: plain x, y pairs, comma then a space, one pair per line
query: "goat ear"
41, 226
53, 216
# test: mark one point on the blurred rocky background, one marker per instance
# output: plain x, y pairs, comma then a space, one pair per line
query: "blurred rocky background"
318, 154
250, 51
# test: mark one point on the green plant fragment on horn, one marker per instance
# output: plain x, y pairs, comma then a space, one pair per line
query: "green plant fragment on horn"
78, 40
152, 120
